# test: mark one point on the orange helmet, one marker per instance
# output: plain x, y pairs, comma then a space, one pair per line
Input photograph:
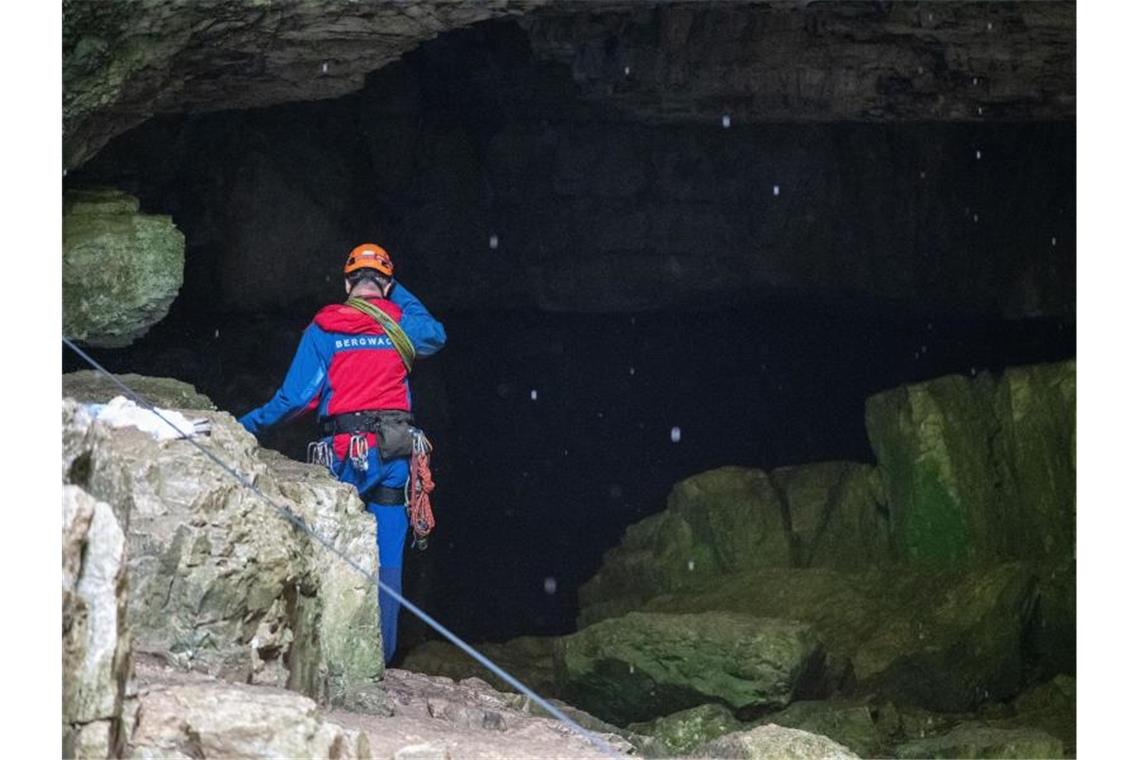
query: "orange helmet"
369, 256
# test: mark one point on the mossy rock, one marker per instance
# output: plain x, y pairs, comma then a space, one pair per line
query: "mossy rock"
528, 658
89, 386
684, 731
643, 665
121, 269
975, 741
771, 741
850, 724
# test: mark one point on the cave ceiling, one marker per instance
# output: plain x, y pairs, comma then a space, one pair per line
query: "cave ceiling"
125, 62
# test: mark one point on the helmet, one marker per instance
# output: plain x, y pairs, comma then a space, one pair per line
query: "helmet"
369, 256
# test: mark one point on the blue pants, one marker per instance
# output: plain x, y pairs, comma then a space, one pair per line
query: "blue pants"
391, 531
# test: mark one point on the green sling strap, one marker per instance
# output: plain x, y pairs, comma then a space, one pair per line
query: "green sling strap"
395, 333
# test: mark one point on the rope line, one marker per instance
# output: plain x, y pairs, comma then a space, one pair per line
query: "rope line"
299, 522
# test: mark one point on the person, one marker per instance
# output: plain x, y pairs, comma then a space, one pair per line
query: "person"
351, 367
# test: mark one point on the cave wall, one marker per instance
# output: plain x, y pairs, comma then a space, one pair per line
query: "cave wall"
126, 61
492, 181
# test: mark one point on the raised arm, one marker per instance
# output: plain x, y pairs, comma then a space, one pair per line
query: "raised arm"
300, 390
426, 334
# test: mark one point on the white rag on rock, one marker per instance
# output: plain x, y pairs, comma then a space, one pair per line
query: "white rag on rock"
122, 412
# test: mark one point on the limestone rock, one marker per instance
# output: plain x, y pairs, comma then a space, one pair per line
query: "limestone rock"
121, 269
88, 386
209, 718
946, 641
978, 470
718, 522
968, 741
684, 731
528, 658
96, 639
771, 741
850, 724
836, 514
219, 581
643, 665
734, 519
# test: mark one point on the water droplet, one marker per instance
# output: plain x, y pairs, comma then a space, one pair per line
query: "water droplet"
493, 242
979, 110
631, 670
920, 70
533, 395
1054, 241
726, 121
692, 565
217, 332
549, 585
631, 370
989, 25
775, 189
922, 175
973, 371
978, 155
975, 217
930, 326
675, 435
325, 67
915, 354
975, 81
627, 70
65, 172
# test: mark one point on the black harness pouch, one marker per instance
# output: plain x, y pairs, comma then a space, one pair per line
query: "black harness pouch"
395, 436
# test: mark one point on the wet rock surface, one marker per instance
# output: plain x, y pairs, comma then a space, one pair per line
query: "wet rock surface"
121, 269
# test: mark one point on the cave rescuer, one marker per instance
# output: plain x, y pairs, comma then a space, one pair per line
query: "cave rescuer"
352, 367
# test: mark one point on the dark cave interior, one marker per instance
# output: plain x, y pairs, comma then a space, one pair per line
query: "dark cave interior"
554, 403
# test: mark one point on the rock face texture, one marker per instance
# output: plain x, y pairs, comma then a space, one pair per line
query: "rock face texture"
969, 742
641, 665
774, 741
203, 717
121, 269
928, 579
219, 582
781, 61
977, 470
733, 520
96, 639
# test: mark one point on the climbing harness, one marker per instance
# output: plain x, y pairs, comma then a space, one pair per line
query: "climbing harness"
300, 524
395, 333
419, 488
320, 452
358, 452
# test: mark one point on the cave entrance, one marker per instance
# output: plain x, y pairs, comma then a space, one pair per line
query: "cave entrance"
629, 301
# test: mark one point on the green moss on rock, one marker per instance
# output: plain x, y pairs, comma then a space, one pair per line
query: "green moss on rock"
850, 724
642, 665
971, 741
683, 731
121, 269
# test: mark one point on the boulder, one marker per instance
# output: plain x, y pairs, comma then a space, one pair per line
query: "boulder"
946, 641
209, 718
89, 386
931, 443
975, 741
121, 269
219, 581
684, 731
850, 724
96, 639
771, 741
980, 470
836, 514
735, 519
643, 665
528, 658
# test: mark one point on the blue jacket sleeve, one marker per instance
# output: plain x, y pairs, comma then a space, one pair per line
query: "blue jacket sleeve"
302, 385
426, 334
